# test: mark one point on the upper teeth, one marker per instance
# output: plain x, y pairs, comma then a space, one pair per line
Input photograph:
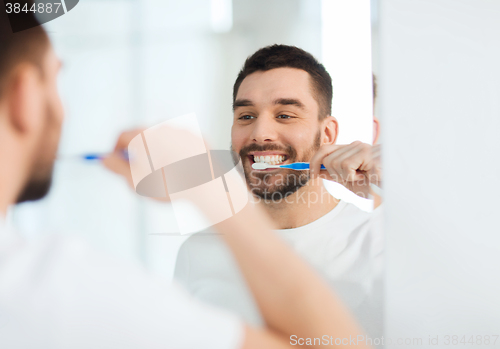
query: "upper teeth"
270, 159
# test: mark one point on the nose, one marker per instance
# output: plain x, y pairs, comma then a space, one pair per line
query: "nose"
264, 130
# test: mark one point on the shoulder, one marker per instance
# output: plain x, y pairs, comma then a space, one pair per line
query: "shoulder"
352, 211
371, 222
345, 217
201, 244
354, 227
356, 215
203, 253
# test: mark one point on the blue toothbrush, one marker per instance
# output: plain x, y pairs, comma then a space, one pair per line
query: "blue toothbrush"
299, 166
92, 156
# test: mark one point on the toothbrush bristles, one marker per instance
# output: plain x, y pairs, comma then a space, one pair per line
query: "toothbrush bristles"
263, 166
259, 166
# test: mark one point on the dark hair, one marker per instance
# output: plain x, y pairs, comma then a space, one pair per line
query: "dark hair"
27, 46
283, 56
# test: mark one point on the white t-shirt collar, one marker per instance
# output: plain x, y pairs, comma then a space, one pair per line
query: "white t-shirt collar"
321, 220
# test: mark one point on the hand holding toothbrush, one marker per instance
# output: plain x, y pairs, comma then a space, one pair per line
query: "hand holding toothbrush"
117, 163
357, 166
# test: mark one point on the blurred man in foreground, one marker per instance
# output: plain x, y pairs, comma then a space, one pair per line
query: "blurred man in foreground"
59, 293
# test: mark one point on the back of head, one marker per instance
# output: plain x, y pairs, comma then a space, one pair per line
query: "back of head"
26, 46
284, 56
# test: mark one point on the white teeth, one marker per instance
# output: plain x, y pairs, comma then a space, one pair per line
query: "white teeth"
270, 159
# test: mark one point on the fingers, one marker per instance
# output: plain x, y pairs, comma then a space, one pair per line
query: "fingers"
349, 162
125, 138
343, 162
354, 165
116, 162
317, 159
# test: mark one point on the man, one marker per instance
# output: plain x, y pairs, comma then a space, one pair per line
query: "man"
282, 114
58, 293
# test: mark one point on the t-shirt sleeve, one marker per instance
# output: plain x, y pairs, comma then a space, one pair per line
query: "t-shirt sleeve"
66, 295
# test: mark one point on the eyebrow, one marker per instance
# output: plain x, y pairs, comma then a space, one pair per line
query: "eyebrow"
280, 101
242, 103
289, 101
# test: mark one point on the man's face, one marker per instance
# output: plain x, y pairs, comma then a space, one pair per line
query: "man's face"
275, 121
48, 137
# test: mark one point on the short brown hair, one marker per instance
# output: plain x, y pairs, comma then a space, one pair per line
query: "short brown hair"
283, 56
27, 46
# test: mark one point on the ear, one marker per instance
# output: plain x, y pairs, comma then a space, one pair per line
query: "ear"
330, 127
376, 129
25, 99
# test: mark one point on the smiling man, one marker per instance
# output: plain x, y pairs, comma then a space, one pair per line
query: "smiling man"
282, 114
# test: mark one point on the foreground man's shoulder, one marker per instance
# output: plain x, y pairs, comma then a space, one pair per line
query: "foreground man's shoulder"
202, 241
201, 253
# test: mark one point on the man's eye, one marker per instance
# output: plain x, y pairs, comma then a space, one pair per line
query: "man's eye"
246, 117
284, 116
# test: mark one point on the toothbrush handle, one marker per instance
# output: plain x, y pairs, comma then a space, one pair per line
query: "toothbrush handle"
93, 156
100, 156
300, 166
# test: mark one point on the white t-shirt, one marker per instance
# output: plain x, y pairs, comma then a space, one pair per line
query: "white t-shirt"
345, 246
59, 293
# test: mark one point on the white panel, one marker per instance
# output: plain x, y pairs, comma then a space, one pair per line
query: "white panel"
440, 90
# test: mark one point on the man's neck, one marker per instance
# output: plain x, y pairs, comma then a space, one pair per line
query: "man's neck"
306, 205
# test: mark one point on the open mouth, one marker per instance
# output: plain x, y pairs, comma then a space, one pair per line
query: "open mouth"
271, 159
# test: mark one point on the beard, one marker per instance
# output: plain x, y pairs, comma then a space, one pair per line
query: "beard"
277, 186
35, 189
40, 179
